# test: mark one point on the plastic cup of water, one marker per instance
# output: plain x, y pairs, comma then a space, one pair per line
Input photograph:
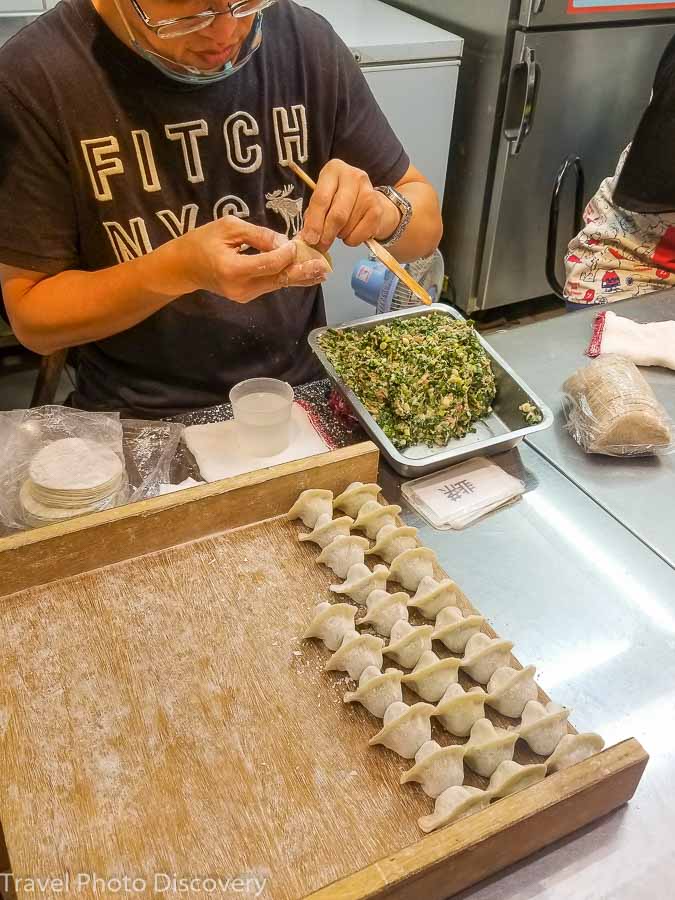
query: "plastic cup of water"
262, 410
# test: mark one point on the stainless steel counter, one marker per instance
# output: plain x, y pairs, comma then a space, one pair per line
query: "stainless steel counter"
639, 493
594, 610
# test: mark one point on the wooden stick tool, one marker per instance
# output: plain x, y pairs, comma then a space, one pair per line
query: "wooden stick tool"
375, 248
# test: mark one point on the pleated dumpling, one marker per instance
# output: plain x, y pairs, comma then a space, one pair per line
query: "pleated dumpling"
327, 529
510, 778
385, 610
393, 540
456, 803
543, 727
458, 709
343, 553
373, 516
511, 689
356, 653
432, 596
310, 505
484, 655
411, 566
488, 747
377, 691
573, 749
331, 623
436, 768
355, 496
408, 643
454, 629
405, 729
432, 676
361, 582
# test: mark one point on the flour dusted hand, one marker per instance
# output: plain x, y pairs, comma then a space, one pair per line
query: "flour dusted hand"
212, 258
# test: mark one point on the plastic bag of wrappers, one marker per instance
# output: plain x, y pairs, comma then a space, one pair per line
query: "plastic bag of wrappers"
611, 409
145, 449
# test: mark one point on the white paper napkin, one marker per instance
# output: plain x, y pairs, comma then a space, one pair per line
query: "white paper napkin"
462, 494
652, 344
219, 455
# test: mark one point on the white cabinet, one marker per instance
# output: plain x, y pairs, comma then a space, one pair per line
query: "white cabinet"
21, 7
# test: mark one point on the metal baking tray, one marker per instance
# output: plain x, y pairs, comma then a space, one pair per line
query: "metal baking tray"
502, 430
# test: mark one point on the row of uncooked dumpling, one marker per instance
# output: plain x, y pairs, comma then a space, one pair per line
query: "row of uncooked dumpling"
407, 729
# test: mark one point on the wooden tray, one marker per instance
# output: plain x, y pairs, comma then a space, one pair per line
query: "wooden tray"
159, 714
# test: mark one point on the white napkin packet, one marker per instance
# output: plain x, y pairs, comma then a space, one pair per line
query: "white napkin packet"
462, 494
216, 448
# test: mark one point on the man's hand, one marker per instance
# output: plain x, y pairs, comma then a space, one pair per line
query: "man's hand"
346, 205
211, 258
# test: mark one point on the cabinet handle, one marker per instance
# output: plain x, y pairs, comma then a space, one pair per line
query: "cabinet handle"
572, 162
538, 7
526, 71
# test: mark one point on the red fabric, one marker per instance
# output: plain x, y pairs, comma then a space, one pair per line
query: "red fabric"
664, 255
596, 340
317, 424
342, 409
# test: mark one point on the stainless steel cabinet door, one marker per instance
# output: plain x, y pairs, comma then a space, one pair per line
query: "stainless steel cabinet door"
544, 13
587, 91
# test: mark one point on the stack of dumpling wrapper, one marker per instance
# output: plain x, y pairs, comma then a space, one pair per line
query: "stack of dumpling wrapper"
70, 477
612, 410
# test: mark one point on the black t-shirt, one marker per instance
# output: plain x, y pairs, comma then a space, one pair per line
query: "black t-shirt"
103, 158
647, 181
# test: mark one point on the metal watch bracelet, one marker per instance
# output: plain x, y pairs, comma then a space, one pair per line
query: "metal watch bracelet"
404, 206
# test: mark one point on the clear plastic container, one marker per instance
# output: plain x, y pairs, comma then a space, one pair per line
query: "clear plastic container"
262, 410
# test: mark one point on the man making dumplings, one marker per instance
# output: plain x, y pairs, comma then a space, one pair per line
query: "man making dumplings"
145, 203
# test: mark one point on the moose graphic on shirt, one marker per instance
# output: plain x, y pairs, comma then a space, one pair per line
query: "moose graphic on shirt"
289, 208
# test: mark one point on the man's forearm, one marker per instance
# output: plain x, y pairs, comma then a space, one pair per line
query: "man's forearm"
424, 233
77, 307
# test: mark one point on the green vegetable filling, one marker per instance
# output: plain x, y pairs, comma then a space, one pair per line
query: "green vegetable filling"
424, 379
531, 413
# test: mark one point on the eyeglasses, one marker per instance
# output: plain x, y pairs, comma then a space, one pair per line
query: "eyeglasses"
170, 28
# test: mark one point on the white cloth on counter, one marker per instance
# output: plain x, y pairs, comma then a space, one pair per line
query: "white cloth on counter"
216, 448
652, 344
172, 488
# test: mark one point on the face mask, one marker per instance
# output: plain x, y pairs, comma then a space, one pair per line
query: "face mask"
191, 75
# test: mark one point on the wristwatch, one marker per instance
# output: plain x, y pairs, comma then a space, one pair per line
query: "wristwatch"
404, 206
